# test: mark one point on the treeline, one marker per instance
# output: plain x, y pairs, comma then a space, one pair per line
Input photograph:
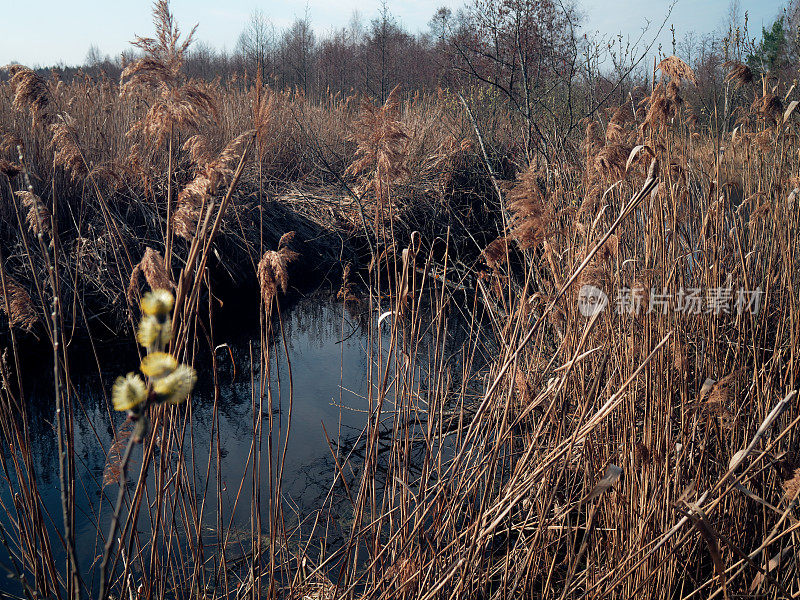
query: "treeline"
534, 60
518, 40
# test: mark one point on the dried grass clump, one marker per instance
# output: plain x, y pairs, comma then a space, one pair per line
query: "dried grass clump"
38, 217
531, 216
273, 269
17, 305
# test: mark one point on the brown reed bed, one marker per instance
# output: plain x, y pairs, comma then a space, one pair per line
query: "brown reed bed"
641, 451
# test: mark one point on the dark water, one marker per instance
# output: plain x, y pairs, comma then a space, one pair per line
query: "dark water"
329, 350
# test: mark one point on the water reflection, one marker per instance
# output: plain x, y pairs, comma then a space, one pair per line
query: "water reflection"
329, 351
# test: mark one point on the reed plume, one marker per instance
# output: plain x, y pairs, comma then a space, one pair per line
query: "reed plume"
210, 174
383, 144
273, 270
9, 142
113, 467
531, 216
67, 153
31, 93
662, 108
154, 271
769, 107
496, 253
791, 487
17, 305
177, 104
739, 74
10, 169
677, 70
263, 108
38, 217
612, 159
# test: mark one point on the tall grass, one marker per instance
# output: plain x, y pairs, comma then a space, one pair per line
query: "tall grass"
625, 454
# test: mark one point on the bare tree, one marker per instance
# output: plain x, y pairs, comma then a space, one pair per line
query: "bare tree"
297, 47
256, 44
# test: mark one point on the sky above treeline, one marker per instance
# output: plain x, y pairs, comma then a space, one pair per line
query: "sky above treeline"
52, 32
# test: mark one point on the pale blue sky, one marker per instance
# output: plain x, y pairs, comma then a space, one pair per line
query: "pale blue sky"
44, 32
